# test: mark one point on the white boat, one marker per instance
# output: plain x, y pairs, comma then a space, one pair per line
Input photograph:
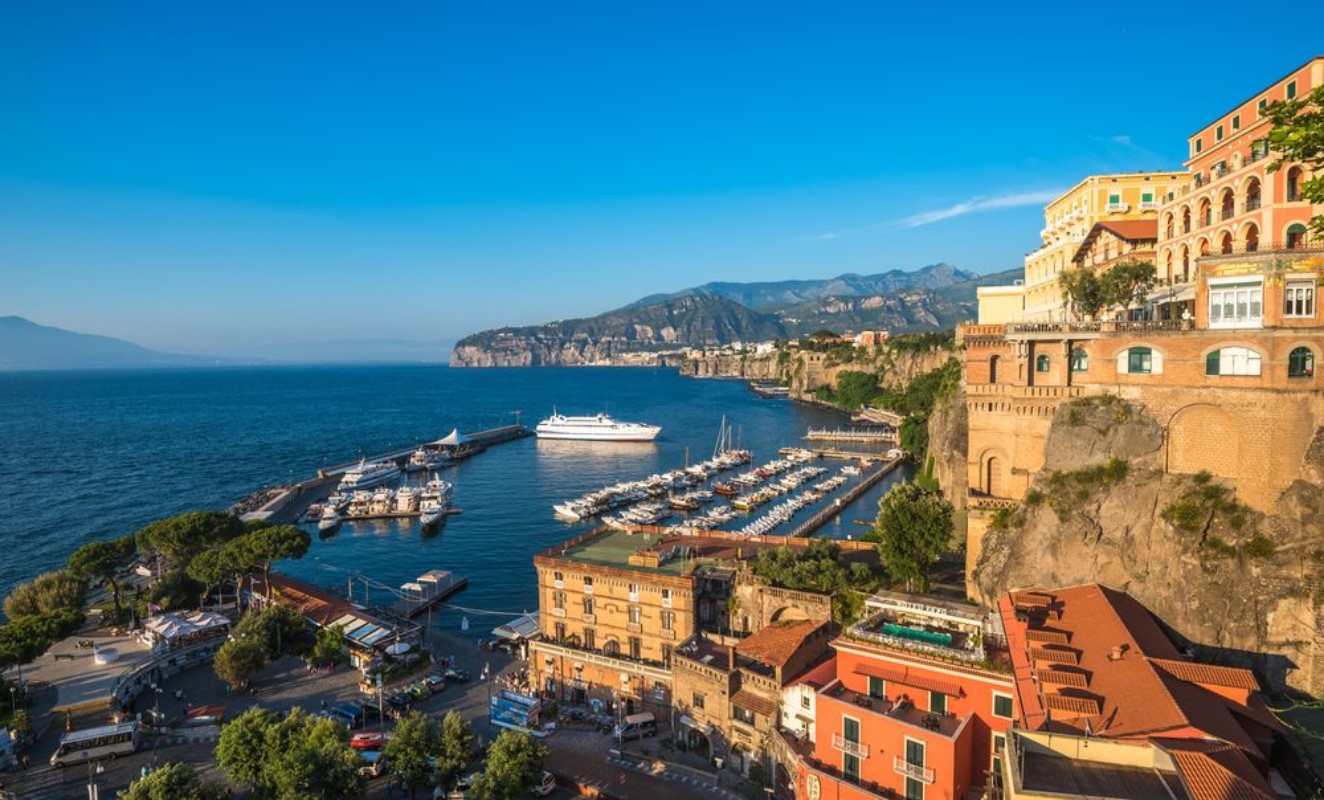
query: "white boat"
368, 474
406, 500
437, 489
425, 459
598, 428
329, 518
431, 512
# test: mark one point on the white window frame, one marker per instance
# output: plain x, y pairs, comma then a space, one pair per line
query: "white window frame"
1238, 297
1306, 287
1235, 360
994, 709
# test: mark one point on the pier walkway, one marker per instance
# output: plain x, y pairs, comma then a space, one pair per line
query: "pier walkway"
861, 435
806, 529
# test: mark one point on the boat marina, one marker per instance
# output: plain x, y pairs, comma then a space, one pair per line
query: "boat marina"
862, 435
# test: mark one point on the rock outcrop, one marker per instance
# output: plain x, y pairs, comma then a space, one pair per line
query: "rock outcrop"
949, 433
1239, 585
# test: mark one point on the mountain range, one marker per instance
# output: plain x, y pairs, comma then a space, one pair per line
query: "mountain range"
714, 314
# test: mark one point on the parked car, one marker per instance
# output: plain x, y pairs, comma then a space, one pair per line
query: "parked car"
546, 784
456, 674
369, 740
376, 766
635, 726
435, 682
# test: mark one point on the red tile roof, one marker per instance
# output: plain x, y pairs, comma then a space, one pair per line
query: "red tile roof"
1143, 685
907, 676
1132, 229
752, 702
1216, 771
778, 643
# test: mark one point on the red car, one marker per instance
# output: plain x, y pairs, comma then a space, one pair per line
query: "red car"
369, 740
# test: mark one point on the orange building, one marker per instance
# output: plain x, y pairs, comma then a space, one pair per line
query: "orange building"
1094, 664
918, 707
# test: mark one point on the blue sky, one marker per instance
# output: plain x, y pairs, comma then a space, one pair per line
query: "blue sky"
198, 176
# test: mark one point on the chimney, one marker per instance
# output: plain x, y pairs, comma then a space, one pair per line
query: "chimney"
731, 658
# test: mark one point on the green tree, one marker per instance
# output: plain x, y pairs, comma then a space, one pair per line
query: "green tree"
238, 659
820, 567
275, 628
514, 764
181, 537
22, 640
413, 744
49, 591
241, 750
297, 757
1083, 292
172, 782
914, 528
1297, 137
329, 646
1129, 283
455, 748
104, 560
272, 544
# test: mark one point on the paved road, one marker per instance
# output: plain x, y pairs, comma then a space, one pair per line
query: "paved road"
282, 685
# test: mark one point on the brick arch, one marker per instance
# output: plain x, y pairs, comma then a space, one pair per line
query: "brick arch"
789, 614
1204, 437
994, 473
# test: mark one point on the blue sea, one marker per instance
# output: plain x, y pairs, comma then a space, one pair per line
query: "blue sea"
99, 454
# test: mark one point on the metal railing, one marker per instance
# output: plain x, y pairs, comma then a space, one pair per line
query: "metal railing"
1269, 248
847, 746
919, 772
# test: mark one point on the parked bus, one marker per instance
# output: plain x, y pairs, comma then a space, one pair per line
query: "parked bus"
96, 743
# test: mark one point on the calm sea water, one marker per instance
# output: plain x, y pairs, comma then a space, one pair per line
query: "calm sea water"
88, 455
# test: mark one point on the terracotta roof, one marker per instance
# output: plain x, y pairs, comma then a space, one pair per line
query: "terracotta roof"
1209, 674
1216, 771
318, 605
777, 644
908, 677
1143, 686
752, 702
1132, 229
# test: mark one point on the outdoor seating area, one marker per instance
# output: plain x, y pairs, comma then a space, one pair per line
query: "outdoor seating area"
183, 629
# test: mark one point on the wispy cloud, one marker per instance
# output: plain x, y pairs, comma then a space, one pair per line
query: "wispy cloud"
977, 205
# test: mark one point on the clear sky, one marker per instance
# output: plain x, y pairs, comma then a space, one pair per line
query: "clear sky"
195, 176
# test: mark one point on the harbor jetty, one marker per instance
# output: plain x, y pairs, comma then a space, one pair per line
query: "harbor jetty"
859, 435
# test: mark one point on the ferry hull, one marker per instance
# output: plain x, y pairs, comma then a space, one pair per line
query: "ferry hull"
645, 435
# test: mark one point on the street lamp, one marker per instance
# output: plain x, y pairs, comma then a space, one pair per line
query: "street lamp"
94, 768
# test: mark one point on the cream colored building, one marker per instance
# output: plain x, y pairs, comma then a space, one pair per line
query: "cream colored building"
999, 305
1069, 218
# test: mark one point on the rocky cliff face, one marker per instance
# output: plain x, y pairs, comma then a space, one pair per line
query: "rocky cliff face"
808, 371
949, 433
764, 367
1241, 586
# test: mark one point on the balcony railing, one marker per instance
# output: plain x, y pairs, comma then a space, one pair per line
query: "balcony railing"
1253, 204
1228, 213
920, 773
1269, 248
847, 746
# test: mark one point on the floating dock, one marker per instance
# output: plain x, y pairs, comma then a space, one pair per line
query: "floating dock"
426, 591
834, 508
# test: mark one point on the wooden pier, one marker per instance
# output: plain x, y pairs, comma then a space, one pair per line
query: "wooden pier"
834, 508
426, 591
860, 435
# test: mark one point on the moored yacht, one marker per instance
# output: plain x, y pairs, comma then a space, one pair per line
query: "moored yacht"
368, 474
599, 428
329, 518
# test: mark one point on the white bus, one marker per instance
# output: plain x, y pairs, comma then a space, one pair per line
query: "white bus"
96, 743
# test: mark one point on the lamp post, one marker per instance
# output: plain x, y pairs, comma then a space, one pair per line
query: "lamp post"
94, 768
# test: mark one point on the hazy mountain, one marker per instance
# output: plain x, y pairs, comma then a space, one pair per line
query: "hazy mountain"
26, 345
685, 320
775, 295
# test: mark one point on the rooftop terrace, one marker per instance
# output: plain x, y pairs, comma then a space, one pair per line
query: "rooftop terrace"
944, 725
661, 553
924, 625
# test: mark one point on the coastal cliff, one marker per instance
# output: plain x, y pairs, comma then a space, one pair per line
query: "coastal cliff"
1240, 585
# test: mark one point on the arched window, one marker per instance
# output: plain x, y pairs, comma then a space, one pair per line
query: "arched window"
993, 369
1225, 243
1080, 360
1253, 194
1041, 363
1232, 361
1185, 264
1301, 363
1168, 225
1139, 361
1186, 219
1228, 206
1296, 235
1294, 184
1252, 238
1204, 247
1206, 213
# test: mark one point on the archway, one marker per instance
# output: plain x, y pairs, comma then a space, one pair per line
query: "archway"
992, 477
1252, 238
1228, 208
789, 614
1225, 243
1253, 194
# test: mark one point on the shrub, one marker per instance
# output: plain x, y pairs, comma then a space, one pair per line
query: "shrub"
1219, 546
1034, 497
1259, 546
1187, 515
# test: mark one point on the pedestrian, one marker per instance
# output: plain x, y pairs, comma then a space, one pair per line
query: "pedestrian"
323, 705
27, 762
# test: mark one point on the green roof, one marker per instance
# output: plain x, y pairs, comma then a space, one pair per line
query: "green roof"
614, 548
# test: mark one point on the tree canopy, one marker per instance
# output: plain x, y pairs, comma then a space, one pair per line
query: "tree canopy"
914, 528
414, 743
329, 646
104, 560
22, 640
514, 764
183, 536
172, 782
1297, 137
275, 628
49, 591
1087, 292
238, 659
297, 757
820, 568
455, 747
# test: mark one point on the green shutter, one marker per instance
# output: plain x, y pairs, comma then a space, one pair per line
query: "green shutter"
1211, 363
1291, 90
938, 702
1147, 197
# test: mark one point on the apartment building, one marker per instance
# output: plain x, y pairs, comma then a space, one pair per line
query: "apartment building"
1106, 701
917, 705
614, 607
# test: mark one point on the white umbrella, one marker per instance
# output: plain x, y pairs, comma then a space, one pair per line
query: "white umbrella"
399, 648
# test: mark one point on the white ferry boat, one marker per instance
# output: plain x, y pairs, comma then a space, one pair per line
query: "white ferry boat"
599, 428
365, 475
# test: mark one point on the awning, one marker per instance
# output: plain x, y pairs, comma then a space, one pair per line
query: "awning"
1175, 294
525, 627
907, 678
455, 438
690, 723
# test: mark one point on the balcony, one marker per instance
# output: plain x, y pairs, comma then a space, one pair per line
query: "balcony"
1252, 204
619, 662
920, 773
1227, 214
1149, 205
845, 745
904, 712
1117, 207
834, 773
558, 612
634, 627
591, 619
